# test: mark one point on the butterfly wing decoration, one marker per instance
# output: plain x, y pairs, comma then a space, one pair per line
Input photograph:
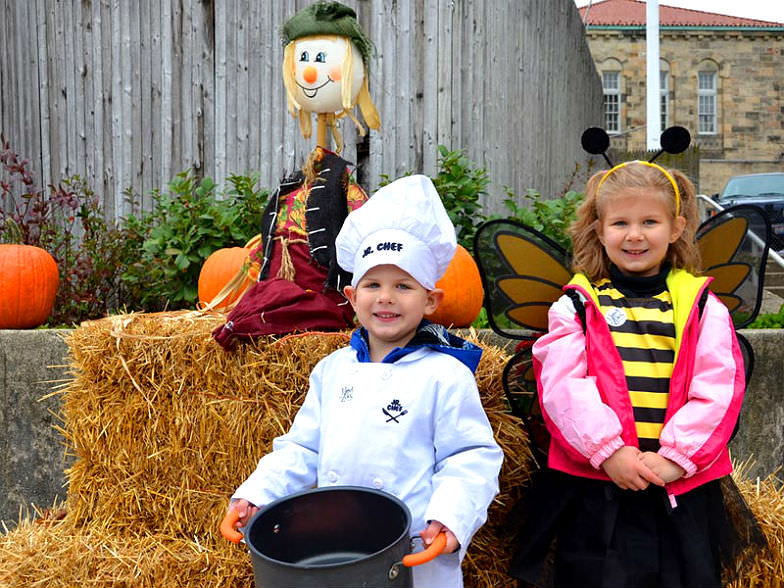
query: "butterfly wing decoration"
734, 250
522, 273
733, 246
519, 384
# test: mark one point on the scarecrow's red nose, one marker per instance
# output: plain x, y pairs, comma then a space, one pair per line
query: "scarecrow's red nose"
310, 74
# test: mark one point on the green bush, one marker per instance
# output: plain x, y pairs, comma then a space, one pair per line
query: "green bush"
770, 320
551, 217
188, 223
460, 185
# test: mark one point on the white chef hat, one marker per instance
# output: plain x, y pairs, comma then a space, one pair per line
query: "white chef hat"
403, 224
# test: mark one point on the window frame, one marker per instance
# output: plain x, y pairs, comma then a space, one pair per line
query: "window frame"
611, 97
664, 99
707, 118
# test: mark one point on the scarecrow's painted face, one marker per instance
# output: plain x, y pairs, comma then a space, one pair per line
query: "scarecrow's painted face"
320, 63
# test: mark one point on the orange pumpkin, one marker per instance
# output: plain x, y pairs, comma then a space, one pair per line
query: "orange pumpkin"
463, 292
28, 285
220, 268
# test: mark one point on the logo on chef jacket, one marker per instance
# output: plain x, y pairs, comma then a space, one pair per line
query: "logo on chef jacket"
347, 394
394, 410
615, 317
383, 246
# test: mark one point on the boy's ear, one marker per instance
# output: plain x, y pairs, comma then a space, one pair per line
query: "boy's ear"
351, 294
434, 298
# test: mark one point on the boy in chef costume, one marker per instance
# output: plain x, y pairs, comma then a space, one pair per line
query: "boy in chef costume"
398, 409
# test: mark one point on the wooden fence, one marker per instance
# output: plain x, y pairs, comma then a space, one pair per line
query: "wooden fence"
127, 94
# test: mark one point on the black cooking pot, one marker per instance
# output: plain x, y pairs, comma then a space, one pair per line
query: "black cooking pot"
332, 537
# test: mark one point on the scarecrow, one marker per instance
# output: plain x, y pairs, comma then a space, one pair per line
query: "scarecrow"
299, 285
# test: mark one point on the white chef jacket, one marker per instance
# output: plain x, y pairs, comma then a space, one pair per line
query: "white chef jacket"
415, 428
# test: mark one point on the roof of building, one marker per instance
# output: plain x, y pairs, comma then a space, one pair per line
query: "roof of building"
631, 13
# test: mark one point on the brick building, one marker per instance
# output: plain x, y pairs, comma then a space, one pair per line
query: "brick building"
722, 77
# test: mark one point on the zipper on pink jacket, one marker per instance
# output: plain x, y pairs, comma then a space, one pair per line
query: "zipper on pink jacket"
671, 496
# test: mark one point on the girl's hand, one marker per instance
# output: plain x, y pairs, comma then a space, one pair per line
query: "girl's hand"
666, 469
433, 529
628, 471
245, 509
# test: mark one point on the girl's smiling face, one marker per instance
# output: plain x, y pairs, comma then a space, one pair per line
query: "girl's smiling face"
636, 229
390, 304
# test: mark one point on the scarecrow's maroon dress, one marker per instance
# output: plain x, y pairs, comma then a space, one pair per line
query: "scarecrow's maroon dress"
300, 284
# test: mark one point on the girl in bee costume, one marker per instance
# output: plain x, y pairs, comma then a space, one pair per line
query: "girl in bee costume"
640, 380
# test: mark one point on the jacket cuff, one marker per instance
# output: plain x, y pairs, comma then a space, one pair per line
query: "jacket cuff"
680, 459
606, 451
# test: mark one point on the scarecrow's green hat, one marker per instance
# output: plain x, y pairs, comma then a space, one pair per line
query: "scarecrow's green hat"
328, 18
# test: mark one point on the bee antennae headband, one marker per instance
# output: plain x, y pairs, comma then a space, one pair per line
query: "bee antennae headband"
667, 174
673, 140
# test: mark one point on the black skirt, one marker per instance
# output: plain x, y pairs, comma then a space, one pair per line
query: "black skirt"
572, 531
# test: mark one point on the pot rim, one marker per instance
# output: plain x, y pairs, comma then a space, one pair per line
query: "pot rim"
360, 489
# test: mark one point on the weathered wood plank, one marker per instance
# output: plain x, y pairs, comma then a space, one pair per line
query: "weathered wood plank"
167, 90
7, 51
144, 99
153, 63
102, 118
221, 90
428, 87
255, 56
55, 97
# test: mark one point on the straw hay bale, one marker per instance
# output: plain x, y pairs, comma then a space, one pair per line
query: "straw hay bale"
164, 425
62, 555
766, 500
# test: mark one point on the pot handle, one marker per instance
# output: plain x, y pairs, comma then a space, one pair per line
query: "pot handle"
433, 550
227, 527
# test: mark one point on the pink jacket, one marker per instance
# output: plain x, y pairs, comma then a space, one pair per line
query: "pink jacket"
585, 400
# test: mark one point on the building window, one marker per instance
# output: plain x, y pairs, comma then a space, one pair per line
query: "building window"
611, 84
664, 92
706, 102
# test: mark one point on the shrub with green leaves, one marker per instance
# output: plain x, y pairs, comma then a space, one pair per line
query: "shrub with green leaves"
769, 320
551, 217
187, 223
461, 184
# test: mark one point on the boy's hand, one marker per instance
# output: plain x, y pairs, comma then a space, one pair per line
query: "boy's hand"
628, 471
666, 469
244, 509
433, 529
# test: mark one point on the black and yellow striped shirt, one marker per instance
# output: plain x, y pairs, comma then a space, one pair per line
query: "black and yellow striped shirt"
643, 331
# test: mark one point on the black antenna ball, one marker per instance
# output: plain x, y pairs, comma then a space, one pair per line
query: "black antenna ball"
595, 140
675, 140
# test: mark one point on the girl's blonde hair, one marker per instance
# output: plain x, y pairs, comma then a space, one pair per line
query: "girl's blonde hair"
589, 256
